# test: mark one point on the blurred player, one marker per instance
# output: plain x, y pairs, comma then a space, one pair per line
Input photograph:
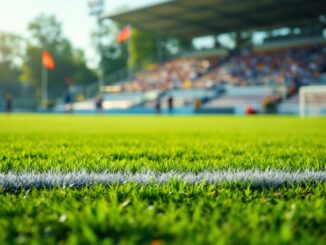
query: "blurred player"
158, 105
8, 102
99, 104
170, 103
68, 101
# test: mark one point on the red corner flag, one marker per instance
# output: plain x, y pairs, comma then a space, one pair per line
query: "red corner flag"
47, 60
124, 34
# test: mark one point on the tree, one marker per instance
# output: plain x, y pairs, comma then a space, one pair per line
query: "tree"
46, 34
146, 46
115, 56
142, 47
11, 51
82, 75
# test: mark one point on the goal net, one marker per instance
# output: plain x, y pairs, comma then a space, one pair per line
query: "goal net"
312, 101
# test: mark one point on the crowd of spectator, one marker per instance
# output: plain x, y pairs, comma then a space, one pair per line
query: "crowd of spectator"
292, 67
178, 73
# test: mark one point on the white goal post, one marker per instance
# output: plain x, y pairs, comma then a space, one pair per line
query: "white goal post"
312, 100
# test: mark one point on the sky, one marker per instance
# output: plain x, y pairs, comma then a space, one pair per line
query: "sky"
74, 15
77, 23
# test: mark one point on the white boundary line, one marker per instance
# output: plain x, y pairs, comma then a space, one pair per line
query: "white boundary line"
51, 179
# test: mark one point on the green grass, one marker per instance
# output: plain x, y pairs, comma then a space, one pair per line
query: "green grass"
175, 212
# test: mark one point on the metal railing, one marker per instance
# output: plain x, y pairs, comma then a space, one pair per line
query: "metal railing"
123, 75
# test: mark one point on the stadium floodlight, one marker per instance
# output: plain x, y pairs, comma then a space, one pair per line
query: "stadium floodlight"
312, 100
96, 8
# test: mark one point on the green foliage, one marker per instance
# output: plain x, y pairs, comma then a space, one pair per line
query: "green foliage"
80, 73
173, 213
31, 68
47, 35
11, 50
115, 56
142, 46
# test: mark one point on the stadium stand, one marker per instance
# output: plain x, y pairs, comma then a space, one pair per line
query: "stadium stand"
248, 78
233, 101
183, 98
293, 67
177, 73
235, 98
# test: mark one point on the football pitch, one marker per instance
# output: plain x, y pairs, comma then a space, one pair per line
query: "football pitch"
162, 180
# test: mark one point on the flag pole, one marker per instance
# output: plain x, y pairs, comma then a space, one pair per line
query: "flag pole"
101, 51
44, 85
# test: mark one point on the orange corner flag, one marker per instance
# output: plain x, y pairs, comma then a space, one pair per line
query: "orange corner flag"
124, 34
47, 60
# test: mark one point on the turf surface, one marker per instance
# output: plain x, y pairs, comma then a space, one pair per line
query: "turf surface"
174, 212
